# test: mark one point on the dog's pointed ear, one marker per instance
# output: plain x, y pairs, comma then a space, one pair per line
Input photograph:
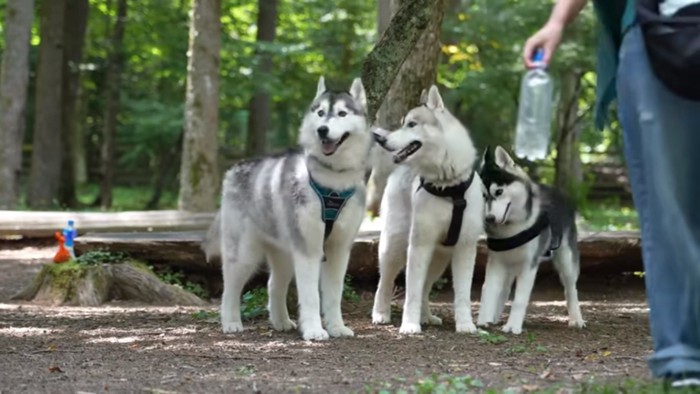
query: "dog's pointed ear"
487, 157
357, 91
434, 99
502, 157
321, 87
423, 97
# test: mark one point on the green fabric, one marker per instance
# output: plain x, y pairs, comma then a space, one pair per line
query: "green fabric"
615, 17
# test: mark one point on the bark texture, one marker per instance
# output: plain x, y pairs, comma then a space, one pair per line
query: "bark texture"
113, 84
74, 39
383, 63
417, 72
14, 79
47, 147
199, 174
259, 107
568, 169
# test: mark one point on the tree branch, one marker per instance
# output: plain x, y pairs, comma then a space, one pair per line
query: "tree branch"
383, 63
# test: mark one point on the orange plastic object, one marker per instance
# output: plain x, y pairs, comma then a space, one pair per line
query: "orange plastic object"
62, 255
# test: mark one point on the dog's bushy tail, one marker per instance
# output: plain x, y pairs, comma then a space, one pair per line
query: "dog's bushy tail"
211, 245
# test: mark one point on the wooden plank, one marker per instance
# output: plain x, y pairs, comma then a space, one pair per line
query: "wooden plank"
614, 251
44, 224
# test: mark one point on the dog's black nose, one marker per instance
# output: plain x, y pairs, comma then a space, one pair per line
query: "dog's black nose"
491, 219
322, 131
381, 140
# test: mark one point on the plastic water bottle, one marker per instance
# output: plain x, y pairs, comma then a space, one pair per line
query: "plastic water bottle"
69, 234
533, 129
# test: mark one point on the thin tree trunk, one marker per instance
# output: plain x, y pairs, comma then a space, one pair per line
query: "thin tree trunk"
113, 86
568, 172
259, 107
383, 63
417, 72
75, 27
14, 79
199, 174
169, 161
47, 149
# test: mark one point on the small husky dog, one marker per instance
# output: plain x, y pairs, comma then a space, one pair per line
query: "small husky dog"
526, 223
293, 209
433, 213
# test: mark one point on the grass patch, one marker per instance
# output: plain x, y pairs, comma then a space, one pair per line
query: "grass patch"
610, 215
177, 278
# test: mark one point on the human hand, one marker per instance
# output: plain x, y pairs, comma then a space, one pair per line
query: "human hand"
547, 38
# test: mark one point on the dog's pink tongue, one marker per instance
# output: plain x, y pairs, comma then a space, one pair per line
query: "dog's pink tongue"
328, 147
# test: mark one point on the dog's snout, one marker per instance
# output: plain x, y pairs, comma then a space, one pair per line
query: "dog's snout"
381, 140
490, 219
322, 131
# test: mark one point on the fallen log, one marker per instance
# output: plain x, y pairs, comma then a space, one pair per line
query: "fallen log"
607, 251
41, 224
92, 285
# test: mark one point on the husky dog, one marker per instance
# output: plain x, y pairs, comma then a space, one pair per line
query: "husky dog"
433, 212
526, 223
292, 209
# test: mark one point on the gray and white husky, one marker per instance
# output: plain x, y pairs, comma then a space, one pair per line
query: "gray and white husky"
526, 223
432, 212
292, 209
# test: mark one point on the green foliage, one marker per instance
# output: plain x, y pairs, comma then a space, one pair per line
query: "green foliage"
445, 384
494, 339
610, 215
100, 256
253, 303
177, 278
349, 292
206, 316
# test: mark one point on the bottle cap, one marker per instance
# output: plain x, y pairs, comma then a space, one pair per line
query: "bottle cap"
538, 56
70, 222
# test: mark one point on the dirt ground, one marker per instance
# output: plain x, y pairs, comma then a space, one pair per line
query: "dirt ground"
124, 347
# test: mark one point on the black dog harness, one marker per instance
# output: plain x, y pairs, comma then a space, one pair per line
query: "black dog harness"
525, 236
332, 202
459, 203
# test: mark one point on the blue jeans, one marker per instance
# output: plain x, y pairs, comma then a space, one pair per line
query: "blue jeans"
662, 137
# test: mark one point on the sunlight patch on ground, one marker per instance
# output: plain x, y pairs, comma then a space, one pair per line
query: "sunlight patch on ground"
29, 331
104, 310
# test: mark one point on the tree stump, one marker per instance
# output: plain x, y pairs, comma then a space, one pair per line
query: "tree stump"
78, 284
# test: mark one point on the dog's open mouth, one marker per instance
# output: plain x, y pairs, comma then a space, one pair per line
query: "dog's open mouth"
329, 146
406, 152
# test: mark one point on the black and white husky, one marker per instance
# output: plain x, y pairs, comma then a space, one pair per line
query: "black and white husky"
526, 223
292, 209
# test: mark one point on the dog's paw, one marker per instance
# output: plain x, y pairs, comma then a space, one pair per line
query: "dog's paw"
231, 327
315, 335
431, 319
339, 331
577, 323
381, 318
512, 329
283, 324
468, 328
409, 328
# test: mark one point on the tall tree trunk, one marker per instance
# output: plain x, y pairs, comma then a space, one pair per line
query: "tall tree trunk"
113, 86
568, 173
259, 107
417, 72
199, 174
14, 78
47, 150
74, 38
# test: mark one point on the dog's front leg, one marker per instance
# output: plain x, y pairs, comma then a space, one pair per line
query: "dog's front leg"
306, 271
491, 291
419, 258
523, 289
332, 277
463, 261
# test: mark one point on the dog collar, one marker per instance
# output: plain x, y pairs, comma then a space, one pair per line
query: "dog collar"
525, 236
332, 202
459, 203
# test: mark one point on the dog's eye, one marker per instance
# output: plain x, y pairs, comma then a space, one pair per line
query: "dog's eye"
412, 124
321, 113
342, 114
498, 192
